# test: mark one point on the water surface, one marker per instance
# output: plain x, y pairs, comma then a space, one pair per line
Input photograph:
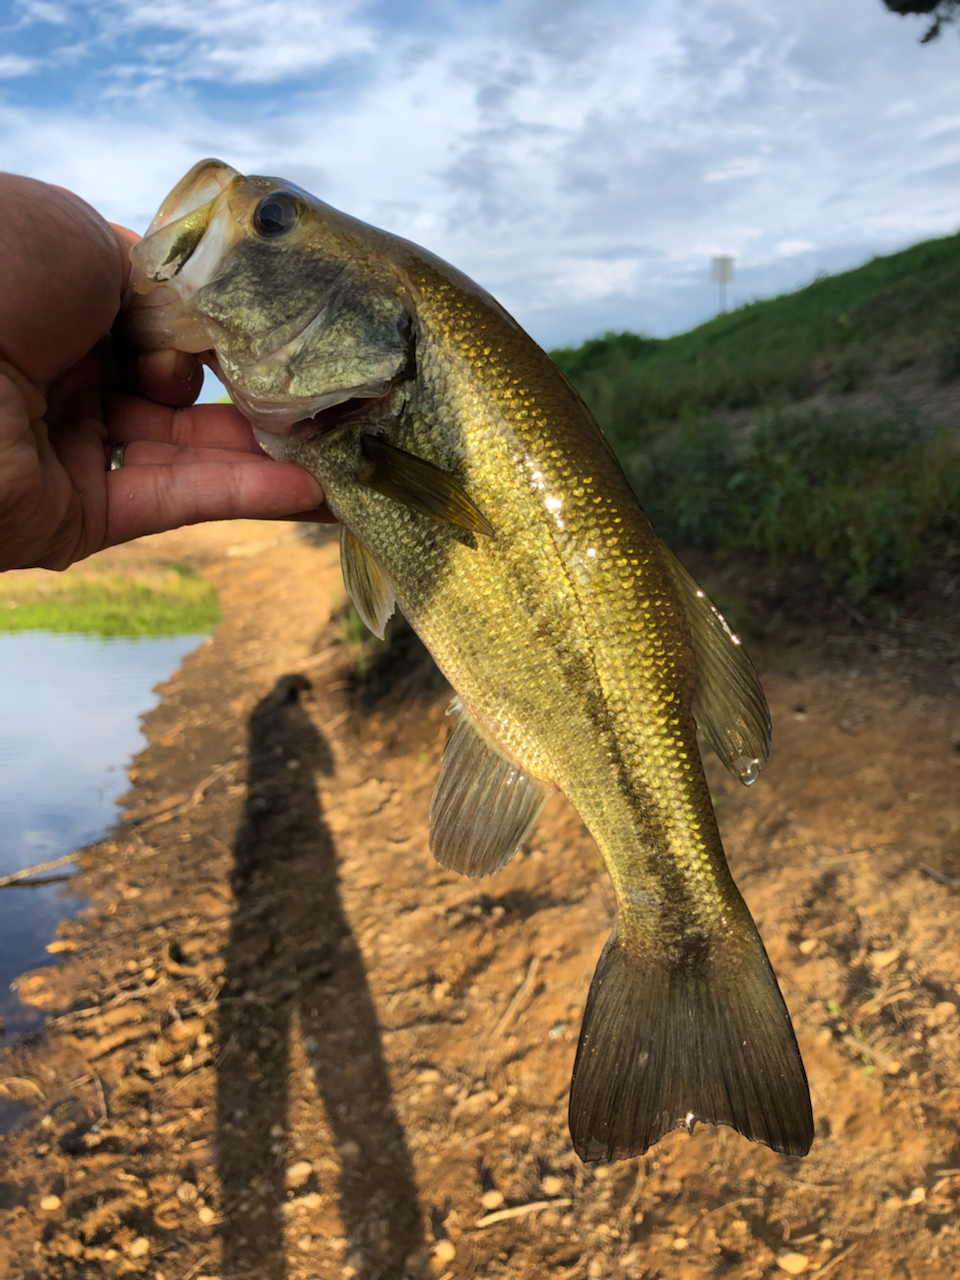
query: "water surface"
69, 708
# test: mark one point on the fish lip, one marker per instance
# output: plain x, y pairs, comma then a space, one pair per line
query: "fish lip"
205, 181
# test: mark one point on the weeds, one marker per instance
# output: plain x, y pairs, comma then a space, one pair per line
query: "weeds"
868, 499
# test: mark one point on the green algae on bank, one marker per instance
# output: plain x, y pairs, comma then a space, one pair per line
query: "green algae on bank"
175, 601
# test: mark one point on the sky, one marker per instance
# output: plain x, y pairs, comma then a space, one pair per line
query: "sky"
583, 160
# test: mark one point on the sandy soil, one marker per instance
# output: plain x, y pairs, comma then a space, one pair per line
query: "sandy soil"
284, 1045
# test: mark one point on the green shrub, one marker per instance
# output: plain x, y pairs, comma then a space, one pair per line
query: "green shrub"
867, 499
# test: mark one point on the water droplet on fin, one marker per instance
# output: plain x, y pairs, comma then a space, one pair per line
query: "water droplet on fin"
748, 770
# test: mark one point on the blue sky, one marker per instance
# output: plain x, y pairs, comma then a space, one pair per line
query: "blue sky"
582, 159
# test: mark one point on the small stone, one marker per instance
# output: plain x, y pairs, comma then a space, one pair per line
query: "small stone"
941, 1012
679, 1244
883, 959
792, 1263
492, 1199
139, 1248
187, 1192
206, 1215
444, 1251
49, 1204
297, 1174
305, 1241
808, 946
551, 1186
916, 1196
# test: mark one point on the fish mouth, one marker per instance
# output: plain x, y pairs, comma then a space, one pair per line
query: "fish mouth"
180, 252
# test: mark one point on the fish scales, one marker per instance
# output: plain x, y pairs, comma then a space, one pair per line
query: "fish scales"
476, 490
614, 680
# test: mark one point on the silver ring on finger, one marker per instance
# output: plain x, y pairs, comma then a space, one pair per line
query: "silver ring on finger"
114, 452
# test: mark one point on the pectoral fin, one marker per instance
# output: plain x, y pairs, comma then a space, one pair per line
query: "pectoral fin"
484, 804
419, 484
367, 585
728, 704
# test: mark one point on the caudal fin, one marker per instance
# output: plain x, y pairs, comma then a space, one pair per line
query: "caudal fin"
664, 1045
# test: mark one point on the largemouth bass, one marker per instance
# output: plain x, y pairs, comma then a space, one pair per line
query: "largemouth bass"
475, 490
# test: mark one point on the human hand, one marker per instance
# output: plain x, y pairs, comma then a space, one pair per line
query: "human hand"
64, 394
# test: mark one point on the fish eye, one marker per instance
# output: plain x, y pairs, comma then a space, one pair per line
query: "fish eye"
276, 213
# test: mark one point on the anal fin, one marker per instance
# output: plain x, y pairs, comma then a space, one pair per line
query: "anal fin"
666, 1043
484, 804
367, 585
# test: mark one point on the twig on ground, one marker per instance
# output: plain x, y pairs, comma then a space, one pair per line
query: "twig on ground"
828, 1267
519, 996
730, 1204
950, 881
521, 1211
25, 872
883, 1060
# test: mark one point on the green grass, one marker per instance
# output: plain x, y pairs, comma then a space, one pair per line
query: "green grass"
871, 499
890, 313
180, 604
868, 499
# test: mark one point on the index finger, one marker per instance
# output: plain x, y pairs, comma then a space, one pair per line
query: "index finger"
207, 426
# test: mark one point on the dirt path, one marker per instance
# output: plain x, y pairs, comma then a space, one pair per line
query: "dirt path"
285, 1045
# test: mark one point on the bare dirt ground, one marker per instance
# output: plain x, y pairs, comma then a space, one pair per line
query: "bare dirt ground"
284, 1045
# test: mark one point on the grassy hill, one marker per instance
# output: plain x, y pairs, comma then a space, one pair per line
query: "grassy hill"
812, 427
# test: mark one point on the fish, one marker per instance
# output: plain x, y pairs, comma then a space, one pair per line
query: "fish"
476, 492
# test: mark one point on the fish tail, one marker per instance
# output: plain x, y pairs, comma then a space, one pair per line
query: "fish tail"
667, 1043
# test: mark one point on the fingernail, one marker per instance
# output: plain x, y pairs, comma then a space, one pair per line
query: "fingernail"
185, 366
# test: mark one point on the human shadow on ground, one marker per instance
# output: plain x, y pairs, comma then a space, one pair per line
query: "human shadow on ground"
292, 959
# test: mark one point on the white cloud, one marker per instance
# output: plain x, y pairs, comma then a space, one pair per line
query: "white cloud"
237, 41
12, 64
582, 161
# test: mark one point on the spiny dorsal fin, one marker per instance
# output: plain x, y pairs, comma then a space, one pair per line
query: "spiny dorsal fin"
728, 704
484, 804
665, 1044
367, 585
411, 480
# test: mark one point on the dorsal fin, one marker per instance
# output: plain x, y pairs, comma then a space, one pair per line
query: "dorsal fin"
484, 804
728, 704
367, 585
419, 484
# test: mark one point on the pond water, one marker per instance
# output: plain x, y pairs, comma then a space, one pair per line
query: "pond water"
69, 708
